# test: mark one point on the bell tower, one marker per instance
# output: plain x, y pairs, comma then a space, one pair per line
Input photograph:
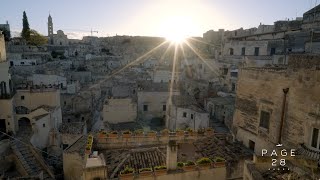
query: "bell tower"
50, 29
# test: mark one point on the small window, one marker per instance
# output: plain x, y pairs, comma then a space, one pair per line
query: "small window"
234, 74
43, 125
184, 114
164, 107
64, 146
145, 107
225, 71
264, 119
22, 97
65, 103
272, 51
191, 116
231, 51
233, 88
252, 144
315, 136
256, 51
243, 51
82, 118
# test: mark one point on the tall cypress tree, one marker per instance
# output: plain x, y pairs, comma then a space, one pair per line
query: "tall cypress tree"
26, 29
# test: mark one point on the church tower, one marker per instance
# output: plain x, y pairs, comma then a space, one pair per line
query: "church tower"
50, 29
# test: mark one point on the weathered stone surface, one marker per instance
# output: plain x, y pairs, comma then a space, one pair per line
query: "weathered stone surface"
247, 106
261, 89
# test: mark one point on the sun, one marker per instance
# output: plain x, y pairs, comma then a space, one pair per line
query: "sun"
177, 28
176, 38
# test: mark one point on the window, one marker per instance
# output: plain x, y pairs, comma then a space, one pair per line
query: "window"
264, 119
64, 146
164, 107
64, 102
191, 116
256, 51
315, 138
243, 51
233, 88
21, 62
22, 97
272, 51
225, 71
43, 125
231, 51
251, 145
234, 74
145, 107
184, 114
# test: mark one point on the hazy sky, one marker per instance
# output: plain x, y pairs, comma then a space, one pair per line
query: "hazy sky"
148, 17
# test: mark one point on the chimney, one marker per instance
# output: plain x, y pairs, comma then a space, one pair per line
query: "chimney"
172, 155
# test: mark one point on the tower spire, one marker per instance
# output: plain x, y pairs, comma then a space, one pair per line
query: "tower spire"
50, 29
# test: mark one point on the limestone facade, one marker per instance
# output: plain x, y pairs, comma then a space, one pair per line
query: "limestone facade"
119, 110
259, 104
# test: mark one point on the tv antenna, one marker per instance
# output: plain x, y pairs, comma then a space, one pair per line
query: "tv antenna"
93, 32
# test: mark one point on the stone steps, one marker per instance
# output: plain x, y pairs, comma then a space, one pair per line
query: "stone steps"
27, 159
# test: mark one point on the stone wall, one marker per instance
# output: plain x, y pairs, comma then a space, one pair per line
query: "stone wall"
120, 110
261, 89
72, 166
38, 97
3, 56
304, 61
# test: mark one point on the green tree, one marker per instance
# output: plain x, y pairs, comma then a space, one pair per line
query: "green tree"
26, 29
36, 38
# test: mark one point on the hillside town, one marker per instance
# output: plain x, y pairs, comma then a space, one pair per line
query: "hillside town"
232, 104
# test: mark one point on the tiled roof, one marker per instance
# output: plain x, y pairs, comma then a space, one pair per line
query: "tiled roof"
135, 158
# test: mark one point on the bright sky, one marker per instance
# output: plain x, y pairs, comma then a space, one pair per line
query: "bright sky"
148, 17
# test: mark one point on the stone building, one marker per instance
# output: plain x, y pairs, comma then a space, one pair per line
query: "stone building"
163, 74
150, 107
221, 109
184, 112
49, 80
121, 106
311, 18
279, 105
59, 39
5, 28
7, 120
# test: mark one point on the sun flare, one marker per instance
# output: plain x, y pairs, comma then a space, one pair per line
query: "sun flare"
176, 38
177, 28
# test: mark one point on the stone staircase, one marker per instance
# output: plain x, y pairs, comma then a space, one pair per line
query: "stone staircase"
32, 162
29, 162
